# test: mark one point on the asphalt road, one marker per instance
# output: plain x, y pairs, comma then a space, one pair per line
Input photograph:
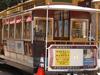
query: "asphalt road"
8, 70
5, 73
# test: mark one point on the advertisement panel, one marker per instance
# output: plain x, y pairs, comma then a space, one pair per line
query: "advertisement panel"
19, 47
11, 45
69, 58
15, 46
89, 57
62, 57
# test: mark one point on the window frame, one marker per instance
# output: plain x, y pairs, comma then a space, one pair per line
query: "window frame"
24, 23
50, 37
87, 29
3, 32
20, 36
64, 17
4, 38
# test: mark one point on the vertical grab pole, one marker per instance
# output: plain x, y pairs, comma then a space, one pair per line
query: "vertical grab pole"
46, 37
90, 35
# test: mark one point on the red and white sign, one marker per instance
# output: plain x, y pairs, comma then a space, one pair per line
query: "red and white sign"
5, 21
12, 20
28, 19
18, 19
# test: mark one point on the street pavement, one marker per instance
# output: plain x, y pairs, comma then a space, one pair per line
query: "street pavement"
5, 73
8, 70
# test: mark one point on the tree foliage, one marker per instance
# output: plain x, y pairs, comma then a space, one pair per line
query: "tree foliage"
4, 4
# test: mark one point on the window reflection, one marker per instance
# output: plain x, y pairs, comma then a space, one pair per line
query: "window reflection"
11, 31
18, 30
79, 28
61, 25
5, 34
27, 30
40, 28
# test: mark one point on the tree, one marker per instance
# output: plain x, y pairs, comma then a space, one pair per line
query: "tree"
4, 4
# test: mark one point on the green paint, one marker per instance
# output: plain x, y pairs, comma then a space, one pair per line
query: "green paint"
62, 1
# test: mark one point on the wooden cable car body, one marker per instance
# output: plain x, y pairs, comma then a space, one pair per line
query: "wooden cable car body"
48, 31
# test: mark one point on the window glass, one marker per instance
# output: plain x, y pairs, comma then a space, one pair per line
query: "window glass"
28, 48
60, 28
49, 28
55, 29
99, 28
11, 31
27, 30
79, 28
5, 31
5, 28
40, 28
61, 25
66, 28
11, 28
18, 30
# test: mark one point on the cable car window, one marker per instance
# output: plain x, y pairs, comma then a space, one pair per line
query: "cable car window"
66, 28
5, 34
40, 28
5, 28
18, 32
12, 28
28, 48
50, 23
27, 27
11, 31
60, 28
79, 28
61, 25
27, 30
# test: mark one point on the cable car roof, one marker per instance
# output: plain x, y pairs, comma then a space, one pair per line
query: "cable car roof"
66, 7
